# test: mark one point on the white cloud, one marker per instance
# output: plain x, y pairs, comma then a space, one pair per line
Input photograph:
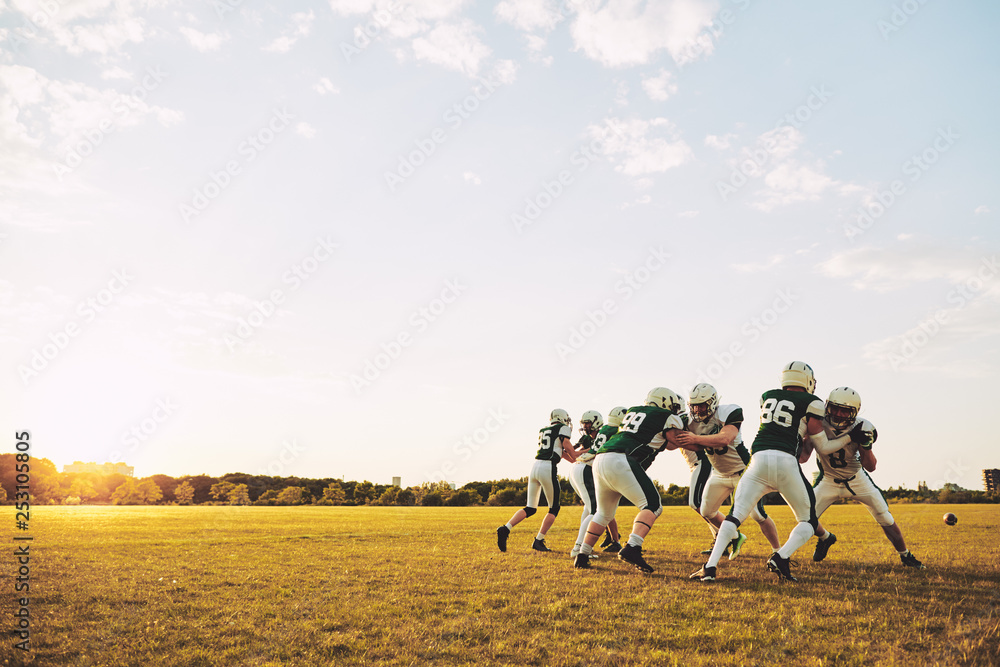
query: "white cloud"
300, 27
982, 210
454, 46
688, 214
642, 147
305, 129
757, 267
204, 42
529, 15
719, 143
622, 33
115, 73
325, 86
659, 88
904, 265
472, 178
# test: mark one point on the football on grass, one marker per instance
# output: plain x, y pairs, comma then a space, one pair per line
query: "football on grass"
950, 519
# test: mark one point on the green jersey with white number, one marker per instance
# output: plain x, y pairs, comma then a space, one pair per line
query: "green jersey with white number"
643, 428
783, 416
603, 436
550, 442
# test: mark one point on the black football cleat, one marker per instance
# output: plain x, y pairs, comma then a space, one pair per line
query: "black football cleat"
909, 560
822, 546
539, 545
613, 548
503, 532
608, 540
582, 562
781, 566
706, 574
633, 556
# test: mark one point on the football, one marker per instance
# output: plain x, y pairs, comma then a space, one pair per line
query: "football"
950, 519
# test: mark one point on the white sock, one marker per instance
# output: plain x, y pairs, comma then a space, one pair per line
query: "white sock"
540, 536
635, 541
824, 535
725, 536
903, 552
586, 549
799, 536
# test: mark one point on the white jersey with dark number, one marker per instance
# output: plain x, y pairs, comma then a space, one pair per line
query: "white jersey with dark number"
844, 462
732, 458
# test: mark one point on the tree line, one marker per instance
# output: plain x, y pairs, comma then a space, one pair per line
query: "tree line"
48, 486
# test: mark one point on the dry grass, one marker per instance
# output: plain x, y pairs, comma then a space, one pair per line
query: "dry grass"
427, 586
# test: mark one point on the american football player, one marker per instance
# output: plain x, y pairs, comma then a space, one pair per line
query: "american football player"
553, 445
844, 473
715, 429
787, 415
595, 434
617, 473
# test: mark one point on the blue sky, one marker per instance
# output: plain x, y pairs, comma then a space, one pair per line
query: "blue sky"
218, 216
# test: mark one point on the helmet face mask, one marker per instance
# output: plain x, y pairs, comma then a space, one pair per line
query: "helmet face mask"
842, 407
591, 422
798, 374
703, 402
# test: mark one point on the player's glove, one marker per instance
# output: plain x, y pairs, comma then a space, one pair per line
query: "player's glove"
861, 437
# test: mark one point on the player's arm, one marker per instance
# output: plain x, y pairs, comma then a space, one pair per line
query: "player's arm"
568, 452
868, 460
806, 451
723, 438
672, 431
817, 437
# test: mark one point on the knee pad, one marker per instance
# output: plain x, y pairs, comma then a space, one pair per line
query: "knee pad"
733, 520
602, 519
528, 511
554, 511
884, 519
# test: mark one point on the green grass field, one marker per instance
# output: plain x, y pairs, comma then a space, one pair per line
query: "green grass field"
427, 586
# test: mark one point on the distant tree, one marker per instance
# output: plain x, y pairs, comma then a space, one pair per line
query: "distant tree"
506, 497
184, 493
127, 493
202, 487
364, 492
3, 495
388, 496
83, 489
463, 498
221, 490
239, 495
149, 492
432, 499
269, 497
406, 497
292, 495
334, 494
168, 486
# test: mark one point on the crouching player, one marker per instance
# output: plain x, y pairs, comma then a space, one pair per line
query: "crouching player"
844, 473
617, 473
716, 430
553, 445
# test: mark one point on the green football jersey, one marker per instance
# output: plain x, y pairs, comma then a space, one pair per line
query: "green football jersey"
783, 416
550, 442
603, 436
643, 426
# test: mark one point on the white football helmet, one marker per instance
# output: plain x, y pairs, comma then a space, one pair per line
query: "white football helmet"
702, 402
594, 418
616, 415
560, 416
798, 374
842, 407
662, 397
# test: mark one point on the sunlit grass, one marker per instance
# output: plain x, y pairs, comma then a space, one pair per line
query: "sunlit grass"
416, 586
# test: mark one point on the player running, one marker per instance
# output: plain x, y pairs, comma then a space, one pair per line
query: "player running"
787, 415
844, 473
595, 434
617, 473
715, 429
553, 444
